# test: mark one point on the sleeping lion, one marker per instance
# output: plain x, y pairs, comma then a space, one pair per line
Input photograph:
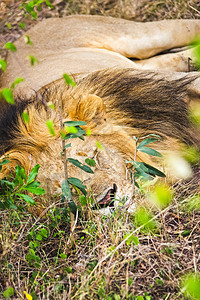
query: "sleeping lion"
128, 84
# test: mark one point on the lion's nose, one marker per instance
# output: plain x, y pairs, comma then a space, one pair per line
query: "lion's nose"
114, 188
108, 199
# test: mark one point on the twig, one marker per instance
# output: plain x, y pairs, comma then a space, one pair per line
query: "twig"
63, 141
194, 9
194, 259
73, 225
189, 60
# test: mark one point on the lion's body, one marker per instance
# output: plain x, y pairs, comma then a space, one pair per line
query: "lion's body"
83, 44
116, 103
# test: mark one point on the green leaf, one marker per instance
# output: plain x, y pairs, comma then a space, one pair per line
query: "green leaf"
3, 64
25, 117
17, 81
63, 255
44, 232
143, 217
50, 126
9, 292
67, 146
191, 286
83, 200
75, 132
29, 7
19, 175
161, 196
36, 190
88, 132
154, 171
11, 185
72, 206
22, 173
186, 233
10, 46
142, 171
9, 25
76, 182
68, 80
149, 170
28, 40
159, 281
146, 142
34, 14
8, 95
51, 105
33, 173
193, 203
98, 144
48, 3
7, 203
131, 239
33, 184
71, 129
196, 52
32, 59
135, 182
74, 123
90, 162
66, 191
26, 198
32, 257
80, 165
4, 162
39, 237
22, 25
150, 151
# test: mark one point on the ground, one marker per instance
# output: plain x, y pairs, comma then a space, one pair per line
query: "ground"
109, 257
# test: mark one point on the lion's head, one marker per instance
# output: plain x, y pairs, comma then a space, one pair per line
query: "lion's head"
115, 105
31, 143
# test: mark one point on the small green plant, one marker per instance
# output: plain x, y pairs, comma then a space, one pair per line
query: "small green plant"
32, 60
31, 7
192, 203
142, 170
8, 292
3, 64
74, 130
131, 239
143, 218
33, 259
10, 46
7, 93
161, 196
19, 186
36, 236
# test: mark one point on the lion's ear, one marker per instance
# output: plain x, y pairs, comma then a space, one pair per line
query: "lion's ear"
90, 109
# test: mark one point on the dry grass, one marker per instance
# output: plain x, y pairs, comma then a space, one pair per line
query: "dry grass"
96, 259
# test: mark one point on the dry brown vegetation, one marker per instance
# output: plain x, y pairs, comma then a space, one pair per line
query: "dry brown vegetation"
98, 257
